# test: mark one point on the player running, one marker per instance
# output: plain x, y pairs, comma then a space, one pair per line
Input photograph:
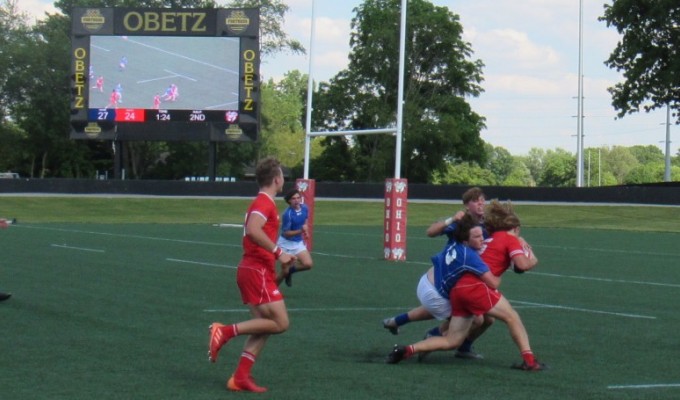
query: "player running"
294, 234
113, 99
156, 101
256, 279
99, 84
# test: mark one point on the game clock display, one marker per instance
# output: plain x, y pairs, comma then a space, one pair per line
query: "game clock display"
146, 115
165, 74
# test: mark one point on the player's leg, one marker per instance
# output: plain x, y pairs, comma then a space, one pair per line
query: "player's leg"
465, 350
419, 313
304, 259
503, 310
433, 305
459, 328
268, 319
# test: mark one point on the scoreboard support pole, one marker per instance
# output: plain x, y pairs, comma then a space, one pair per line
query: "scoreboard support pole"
117, 159
212, 161
396, 201
307, 189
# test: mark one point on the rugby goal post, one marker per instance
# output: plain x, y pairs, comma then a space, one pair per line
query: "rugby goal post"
396, 189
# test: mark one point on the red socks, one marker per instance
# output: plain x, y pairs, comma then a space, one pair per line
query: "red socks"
409, 351
245, 364
528, 357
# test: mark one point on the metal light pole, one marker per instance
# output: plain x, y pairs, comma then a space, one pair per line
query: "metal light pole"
667, 171
579, 116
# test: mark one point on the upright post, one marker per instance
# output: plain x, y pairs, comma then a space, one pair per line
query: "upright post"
396, 194
307, 189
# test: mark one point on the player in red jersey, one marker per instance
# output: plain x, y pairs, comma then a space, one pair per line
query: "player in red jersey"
157, 101
503, 249
471, 297
99, 84
256, 279
113, 99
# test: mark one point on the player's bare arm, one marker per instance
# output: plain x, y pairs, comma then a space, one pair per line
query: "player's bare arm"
491, 280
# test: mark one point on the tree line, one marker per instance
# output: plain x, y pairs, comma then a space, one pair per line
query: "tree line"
441, 132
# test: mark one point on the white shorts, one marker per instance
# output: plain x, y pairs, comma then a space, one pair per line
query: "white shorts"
438, 306
290, 246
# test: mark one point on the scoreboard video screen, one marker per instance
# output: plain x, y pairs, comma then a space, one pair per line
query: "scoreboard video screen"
165, 74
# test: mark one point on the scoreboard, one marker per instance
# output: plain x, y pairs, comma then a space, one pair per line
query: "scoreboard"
146, 115
165, 74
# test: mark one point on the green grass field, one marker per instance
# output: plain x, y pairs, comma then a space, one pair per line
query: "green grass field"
112, 299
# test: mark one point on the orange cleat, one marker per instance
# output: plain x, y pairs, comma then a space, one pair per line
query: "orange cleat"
247, 385
217, 340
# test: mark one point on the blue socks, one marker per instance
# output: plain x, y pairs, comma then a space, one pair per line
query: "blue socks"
401, 319
466, 346
434, 332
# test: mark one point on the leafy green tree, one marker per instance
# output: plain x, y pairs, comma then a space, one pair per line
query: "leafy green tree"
465, 173
519, 175
534, 161
647, 154
645, 173
499, 161
646, 55
282, 132
559, 169
439, 125
272, 14
619, 161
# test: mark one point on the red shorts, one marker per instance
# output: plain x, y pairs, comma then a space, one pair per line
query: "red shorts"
473, 299
257, 285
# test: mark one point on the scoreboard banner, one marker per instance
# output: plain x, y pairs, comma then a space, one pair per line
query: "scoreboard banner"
165, 74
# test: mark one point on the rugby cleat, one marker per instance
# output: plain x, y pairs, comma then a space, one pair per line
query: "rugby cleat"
390, 325
216, 341
469, 355
397, 354
536, 366
247, 385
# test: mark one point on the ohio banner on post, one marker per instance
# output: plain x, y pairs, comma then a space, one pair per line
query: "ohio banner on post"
396, 202
165, 74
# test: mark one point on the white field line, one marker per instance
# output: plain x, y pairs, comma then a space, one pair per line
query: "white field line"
63, 246
334, 309
583, 310
590, 278
134, 236
200, 263
649, 386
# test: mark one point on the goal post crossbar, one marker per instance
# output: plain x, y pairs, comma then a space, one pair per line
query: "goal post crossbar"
354, 132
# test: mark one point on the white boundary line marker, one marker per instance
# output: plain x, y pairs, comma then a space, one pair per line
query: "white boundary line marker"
63, 246
339, 309
588, 278
651, 386
584, 310
200, 263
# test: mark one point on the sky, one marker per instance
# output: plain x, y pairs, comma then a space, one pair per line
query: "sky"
530, 50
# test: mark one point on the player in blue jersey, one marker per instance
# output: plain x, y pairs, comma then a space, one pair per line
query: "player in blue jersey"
473, 201
458, 257
293, 235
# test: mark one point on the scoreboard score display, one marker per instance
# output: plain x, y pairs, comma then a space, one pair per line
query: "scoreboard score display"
165, 74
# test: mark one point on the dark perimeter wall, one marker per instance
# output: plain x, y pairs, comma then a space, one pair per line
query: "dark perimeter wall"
662, 193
